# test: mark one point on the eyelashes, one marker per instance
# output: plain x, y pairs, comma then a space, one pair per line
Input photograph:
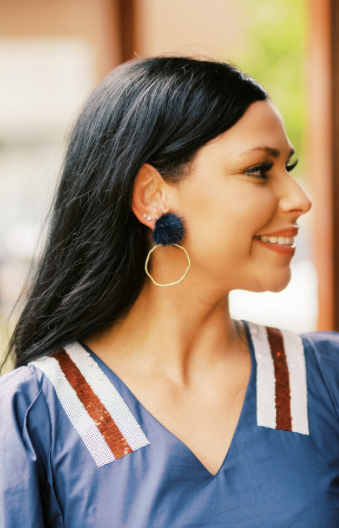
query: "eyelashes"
291, 166
260, 171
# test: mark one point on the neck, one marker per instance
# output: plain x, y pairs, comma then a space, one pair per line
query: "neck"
173, 332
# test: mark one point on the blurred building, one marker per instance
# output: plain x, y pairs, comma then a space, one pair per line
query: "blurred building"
53, 53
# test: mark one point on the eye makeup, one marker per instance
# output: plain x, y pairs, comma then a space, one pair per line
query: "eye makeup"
260, 170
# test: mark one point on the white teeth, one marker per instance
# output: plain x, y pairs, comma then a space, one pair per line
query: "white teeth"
283, 241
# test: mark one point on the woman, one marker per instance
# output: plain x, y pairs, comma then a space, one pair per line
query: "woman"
137, 405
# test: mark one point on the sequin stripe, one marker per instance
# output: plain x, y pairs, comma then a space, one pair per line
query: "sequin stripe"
282, 382
295, 356
265, 378
97, 411
76, 412
108, 395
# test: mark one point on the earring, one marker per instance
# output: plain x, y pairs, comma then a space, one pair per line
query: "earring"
168, 230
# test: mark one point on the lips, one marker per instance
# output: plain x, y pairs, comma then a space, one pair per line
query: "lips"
281, 241
282, 249
287, 232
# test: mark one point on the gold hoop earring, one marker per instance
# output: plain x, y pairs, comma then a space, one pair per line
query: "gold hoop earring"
170, 283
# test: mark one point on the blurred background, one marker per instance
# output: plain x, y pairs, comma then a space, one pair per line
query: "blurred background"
54, 52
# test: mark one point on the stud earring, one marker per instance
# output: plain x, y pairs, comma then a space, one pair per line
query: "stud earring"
149, 218
168, 230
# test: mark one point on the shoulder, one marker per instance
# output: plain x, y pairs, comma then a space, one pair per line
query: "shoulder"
21, 393
323, 349
23, 410
325, 345
56, 379
322, 354
21, 385
322, 358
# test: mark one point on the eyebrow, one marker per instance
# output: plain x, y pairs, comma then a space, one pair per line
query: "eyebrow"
275, 153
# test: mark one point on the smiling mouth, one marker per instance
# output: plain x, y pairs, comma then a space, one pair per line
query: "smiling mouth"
279, 244
281, 240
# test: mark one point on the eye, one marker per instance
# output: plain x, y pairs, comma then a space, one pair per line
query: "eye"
291, 166
260, 171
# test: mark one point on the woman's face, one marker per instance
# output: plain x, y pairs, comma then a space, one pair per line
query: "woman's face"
238, 193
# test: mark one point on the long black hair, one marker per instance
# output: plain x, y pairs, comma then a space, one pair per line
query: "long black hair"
158, 110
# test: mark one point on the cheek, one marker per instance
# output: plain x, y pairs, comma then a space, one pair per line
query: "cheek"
222, 222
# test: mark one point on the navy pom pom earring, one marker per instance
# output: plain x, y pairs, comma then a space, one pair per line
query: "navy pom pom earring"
168, 230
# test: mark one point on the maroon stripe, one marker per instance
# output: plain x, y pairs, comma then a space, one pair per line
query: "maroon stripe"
97, 411
282, 380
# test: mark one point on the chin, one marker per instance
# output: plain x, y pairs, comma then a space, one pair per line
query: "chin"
278, 283
273, 281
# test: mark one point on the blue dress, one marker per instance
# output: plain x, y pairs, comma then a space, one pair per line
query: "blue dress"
78, 450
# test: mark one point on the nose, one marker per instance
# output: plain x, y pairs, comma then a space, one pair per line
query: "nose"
293, 198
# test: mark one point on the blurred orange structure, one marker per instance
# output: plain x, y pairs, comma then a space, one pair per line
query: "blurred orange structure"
98, 22
119, 29
323, 155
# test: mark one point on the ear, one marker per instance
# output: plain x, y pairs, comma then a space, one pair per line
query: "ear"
149, 195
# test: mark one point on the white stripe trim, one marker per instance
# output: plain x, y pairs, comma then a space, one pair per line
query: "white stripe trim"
108, 395
76, 412
295, 357
266, 409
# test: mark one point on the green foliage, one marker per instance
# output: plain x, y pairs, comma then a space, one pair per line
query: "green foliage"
274, 54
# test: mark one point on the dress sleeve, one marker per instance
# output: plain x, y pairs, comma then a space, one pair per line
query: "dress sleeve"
326, 349
24, 442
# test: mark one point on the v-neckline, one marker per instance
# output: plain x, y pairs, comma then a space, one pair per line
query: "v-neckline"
104, 367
